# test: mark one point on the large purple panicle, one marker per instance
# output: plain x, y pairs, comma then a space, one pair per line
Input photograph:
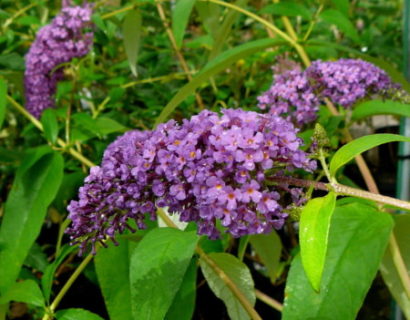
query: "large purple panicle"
297, 94
62, 40
210, 168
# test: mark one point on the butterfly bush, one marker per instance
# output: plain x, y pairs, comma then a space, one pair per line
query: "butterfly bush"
297, 94
59, 42
210, 168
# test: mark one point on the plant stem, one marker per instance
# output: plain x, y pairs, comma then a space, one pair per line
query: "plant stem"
150, 80
113, 13
17, 14
222, 275
39, 126
345, 191
288, 25
180, 57
312, 23
324, 165
399, 264
268, 300
67, 285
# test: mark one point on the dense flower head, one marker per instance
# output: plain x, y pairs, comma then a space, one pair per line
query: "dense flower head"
297, 94
347, 80
59, 42
291, 95
210, 168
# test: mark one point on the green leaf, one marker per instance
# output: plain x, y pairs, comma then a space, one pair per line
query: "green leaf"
210, 16
106, 126
376, 107
114, 279
269, 249
243, 244
86, 122
388, 270
239, 273
339, 20
357, 240
50, 125
342, 6
26, 291
158, 265
313, 236
183, 306
36, 258
35, 186
287, 8
362, 144
180, 18
225, 28
221, 62
131, 30
3, 100
48, 276
76, 314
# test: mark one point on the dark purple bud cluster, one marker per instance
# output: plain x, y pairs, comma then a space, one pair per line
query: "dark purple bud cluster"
59, 42
297, 94
210, 168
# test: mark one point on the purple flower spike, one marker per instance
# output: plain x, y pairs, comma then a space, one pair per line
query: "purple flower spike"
59, 42
216, 180
297, 94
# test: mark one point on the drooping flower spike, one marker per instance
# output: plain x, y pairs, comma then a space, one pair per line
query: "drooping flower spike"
297, 94
64, 39
210, 168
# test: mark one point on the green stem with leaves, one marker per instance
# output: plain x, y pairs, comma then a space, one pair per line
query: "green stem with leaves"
50, 310
39, 126
222, 275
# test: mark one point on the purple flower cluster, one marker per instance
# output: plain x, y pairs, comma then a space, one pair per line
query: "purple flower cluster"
293, 96
210, 168
62, 40
297, 94
347, 80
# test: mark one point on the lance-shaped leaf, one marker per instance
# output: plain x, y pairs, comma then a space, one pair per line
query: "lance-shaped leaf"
50, 125
180, 18
158, 265
313, 236
238, 273
183, 306
26, 291
35, 186
269, 248
221, 62
362, 144
114, 279
342, 22
131, 30
377, 107
357, 240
